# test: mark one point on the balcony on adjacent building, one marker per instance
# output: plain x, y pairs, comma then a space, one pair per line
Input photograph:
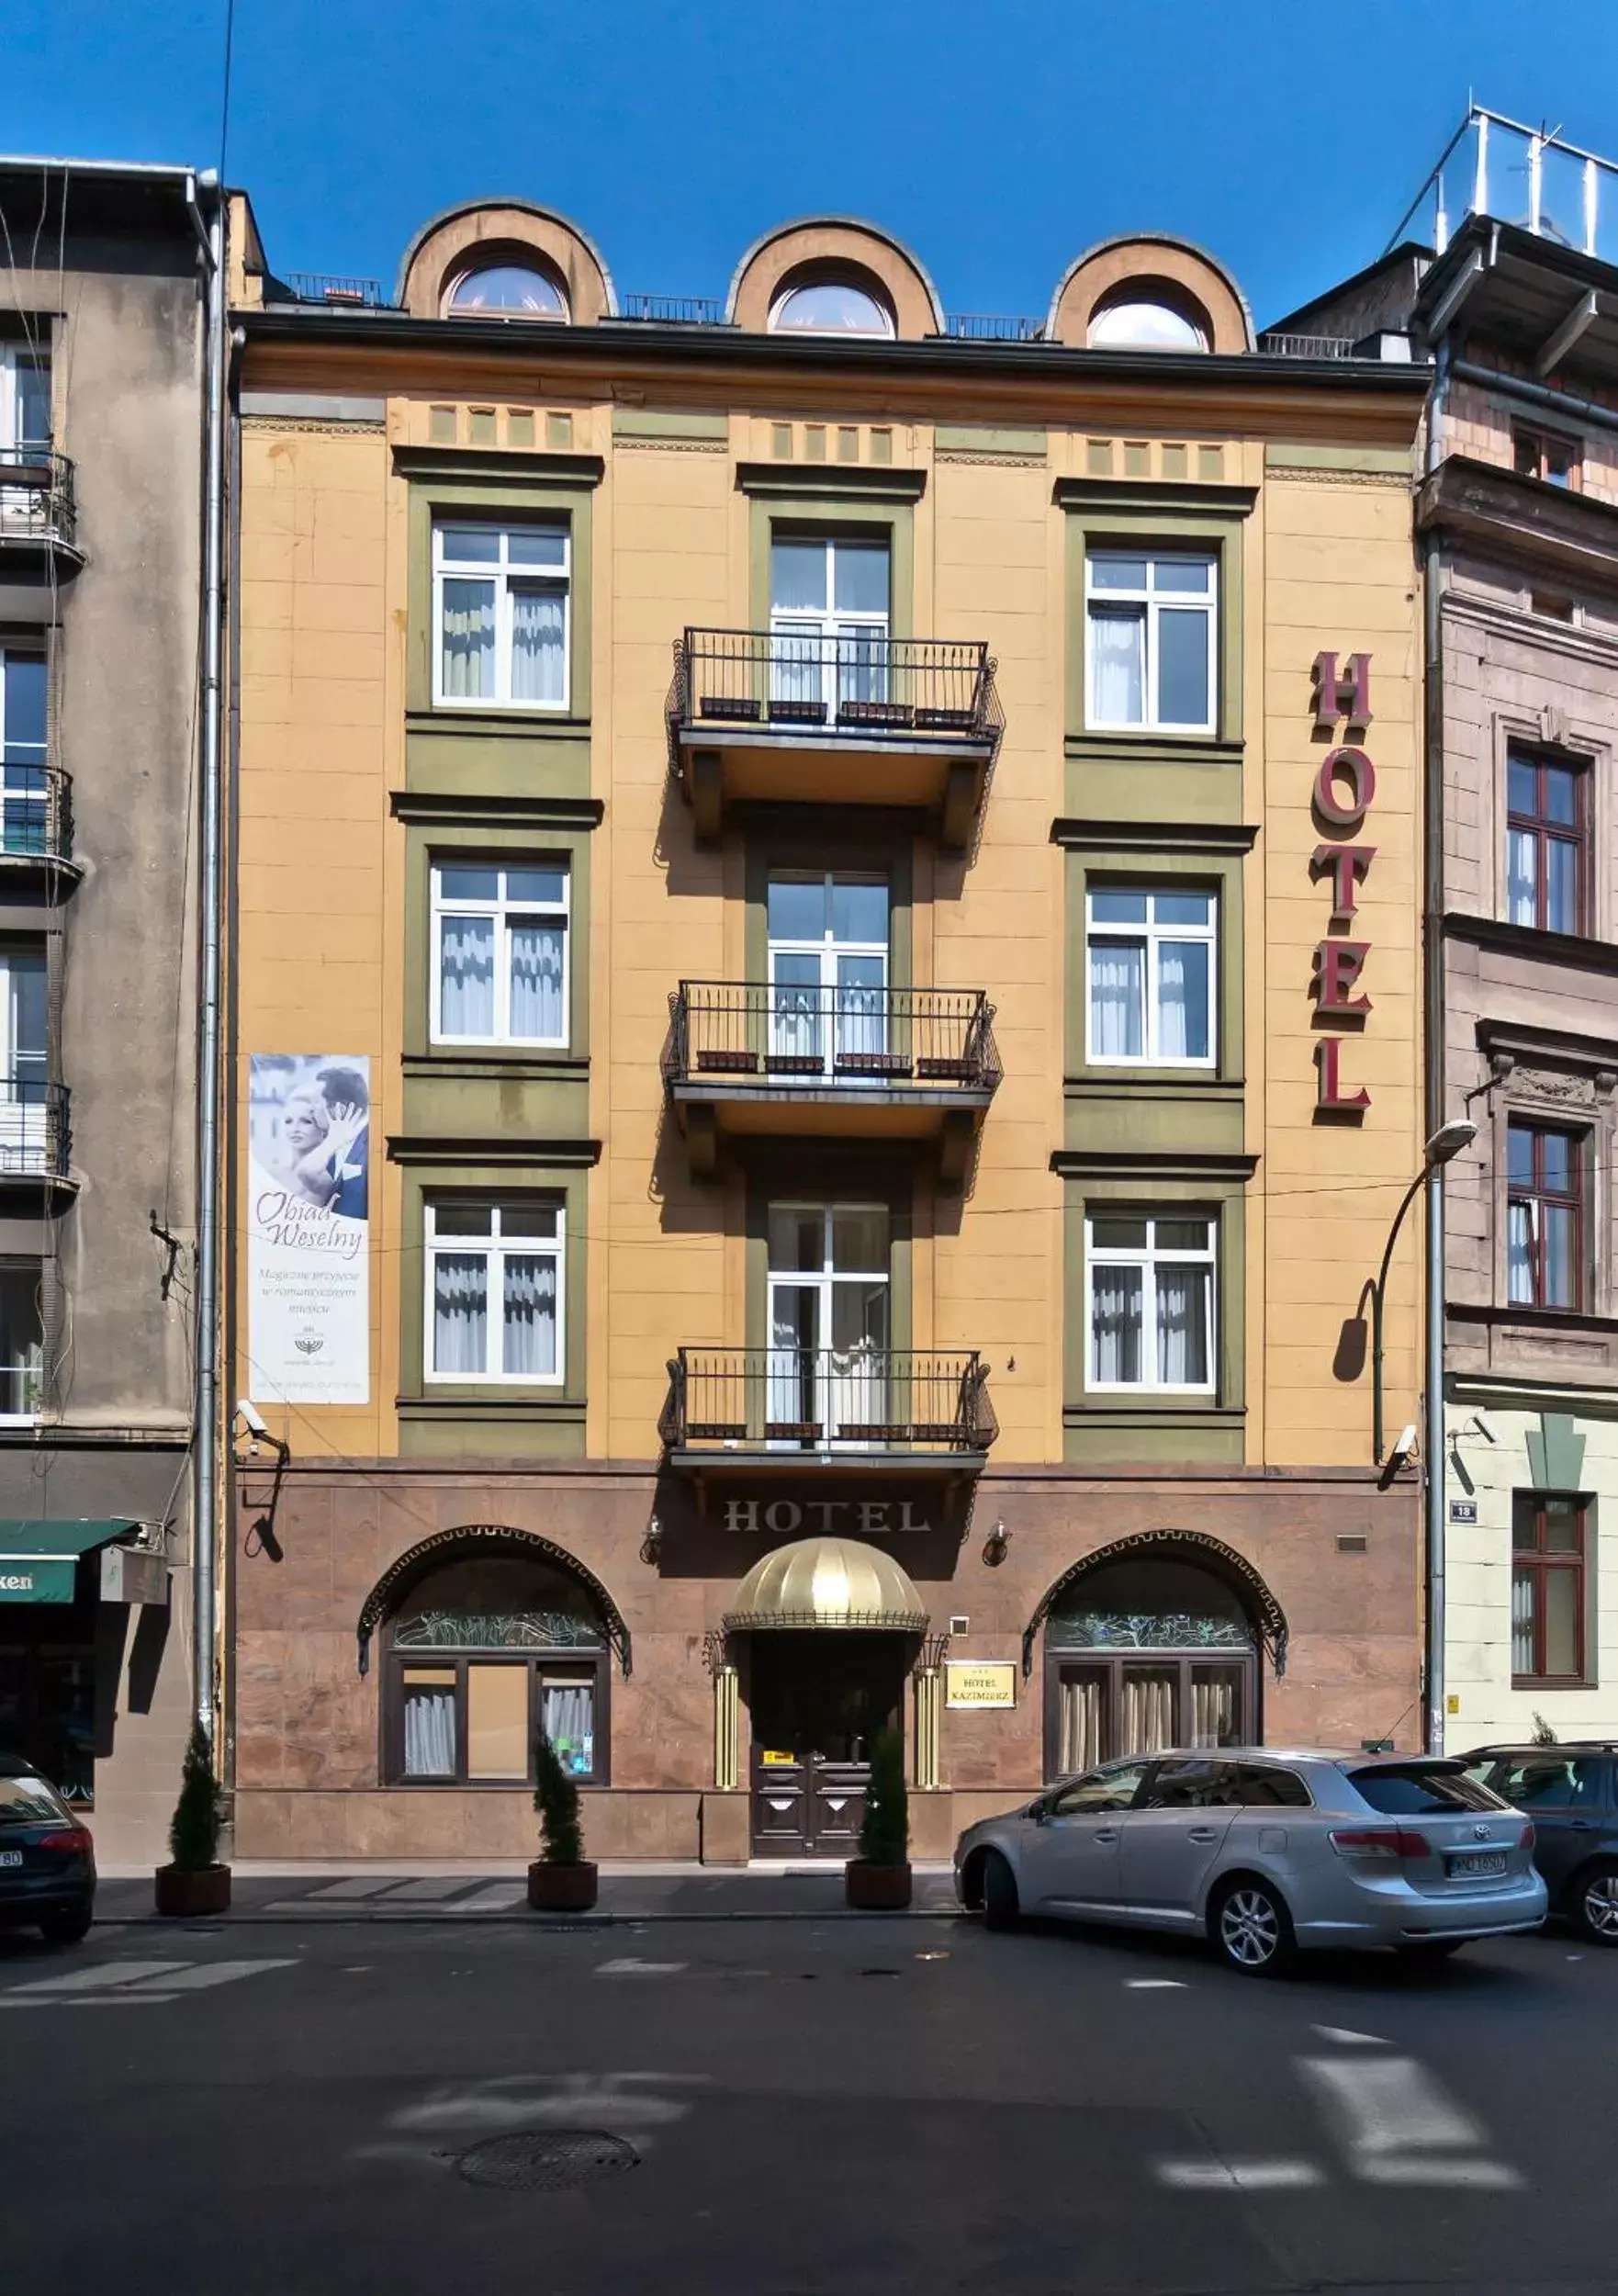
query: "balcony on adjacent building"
856, 717
36, 819
754, 1058
37, 510
35, 1139
859, 1409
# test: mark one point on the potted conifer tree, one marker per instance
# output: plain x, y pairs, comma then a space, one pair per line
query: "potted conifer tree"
195, 1883
878, 1880
561, 1879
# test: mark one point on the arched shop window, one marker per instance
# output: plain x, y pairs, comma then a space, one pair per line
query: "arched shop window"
481, 1654
1147, 1652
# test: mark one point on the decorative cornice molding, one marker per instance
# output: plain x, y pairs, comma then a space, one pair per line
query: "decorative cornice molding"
331, 426
1169, 1163
860, 483
453, 464
1168, 497
1558, 1047
1311, 475
460, 1148
1574, 950
1151, 836
477, 810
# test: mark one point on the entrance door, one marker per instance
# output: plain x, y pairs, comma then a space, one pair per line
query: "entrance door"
828, 623
829, 1324
817, 1701
828, 976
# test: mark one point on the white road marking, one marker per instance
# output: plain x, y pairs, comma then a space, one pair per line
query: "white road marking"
494, 1899
433, 1888
354, 1886
100, 1975
1349, 2039
109, 1984
1480, 2176
211, 1972
1399, 2126
1155, 1985
1238, 2175
627, 1966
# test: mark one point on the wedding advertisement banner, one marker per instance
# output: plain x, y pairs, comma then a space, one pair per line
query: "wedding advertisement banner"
308, 1227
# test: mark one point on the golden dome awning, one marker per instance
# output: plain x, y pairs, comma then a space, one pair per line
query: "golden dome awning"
825, 1582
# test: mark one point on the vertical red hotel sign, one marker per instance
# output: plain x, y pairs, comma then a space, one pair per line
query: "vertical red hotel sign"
1344, 791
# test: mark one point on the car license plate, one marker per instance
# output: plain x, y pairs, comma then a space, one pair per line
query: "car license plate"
1479, 1862
10, 1857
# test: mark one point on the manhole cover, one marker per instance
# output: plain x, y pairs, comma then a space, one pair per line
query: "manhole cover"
546, 2160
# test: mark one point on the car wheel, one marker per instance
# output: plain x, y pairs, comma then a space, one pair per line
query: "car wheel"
1251, 1929
1419, 1951
1000, 1901
1595, 1902
67, 1924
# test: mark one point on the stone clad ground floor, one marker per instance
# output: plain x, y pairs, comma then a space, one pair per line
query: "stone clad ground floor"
714, 1659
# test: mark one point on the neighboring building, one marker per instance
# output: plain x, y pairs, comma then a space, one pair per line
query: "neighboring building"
1517, 515
836, 1185
101, 383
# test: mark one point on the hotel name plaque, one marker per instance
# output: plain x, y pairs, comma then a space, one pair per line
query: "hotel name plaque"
980, 1683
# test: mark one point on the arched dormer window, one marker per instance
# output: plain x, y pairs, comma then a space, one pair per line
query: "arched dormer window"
834, 306
1138, 321
507, 290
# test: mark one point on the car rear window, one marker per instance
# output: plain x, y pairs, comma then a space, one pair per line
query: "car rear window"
1548, 1781
1398, 1791
28, 1801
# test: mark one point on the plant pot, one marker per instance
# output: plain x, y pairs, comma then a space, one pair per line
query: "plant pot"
561, 1888
186, 1891
876, 1888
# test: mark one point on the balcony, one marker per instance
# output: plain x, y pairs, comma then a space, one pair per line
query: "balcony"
752, 1058
36, 822
851, 720
35, 1141
790, 1409
37, 510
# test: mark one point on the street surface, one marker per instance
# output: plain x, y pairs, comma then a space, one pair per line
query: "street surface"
280, 2106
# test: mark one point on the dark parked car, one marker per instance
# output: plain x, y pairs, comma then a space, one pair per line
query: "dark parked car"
1571, 1793
47, 1857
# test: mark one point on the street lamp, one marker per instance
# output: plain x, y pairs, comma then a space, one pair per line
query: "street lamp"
1445, 1145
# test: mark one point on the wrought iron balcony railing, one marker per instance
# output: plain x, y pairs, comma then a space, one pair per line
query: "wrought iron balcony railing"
848, 1039
36, 811
344, 292
1285, 346
675, 310
797, 1400
22, 1390
35, 1141
37, 495
861, 684
994, 327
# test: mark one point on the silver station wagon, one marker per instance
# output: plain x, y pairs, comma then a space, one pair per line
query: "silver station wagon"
1263, 1851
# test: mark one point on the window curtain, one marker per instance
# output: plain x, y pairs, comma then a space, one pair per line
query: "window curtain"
1214, 1706
1182, 1000
530, 1315
1519, 1253
1521, 874
536, 979
460, 1312
1081, 1712
539, 621
1148, 1712
797, 653
569, 1723
1118, 665
1522, 1622
1561, 887
1116, 1001
469, 640
465, 976
429, 1733
1115, 1315
1182, 1326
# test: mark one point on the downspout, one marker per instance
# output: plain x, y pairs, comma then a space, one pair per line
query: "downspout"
1435, 1491
207, 1433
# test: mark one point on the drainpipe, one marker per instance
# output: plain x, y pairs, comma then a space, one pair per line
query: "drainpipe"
206, 1431
1434, 1489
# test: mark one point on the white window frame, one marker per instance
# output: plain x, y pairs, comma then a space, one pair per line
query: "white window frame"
1149, 1258
495, 1248
1152, 603
13, 355
504, 909
28, 1418
1148, 936
504, 575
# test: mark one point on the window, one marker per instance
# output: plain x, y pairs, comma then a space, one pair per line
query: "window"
830, 306
25, 401
1545, 1781
1135, 324
1545, 454
1150, 1284
500, 614
1258, 1786
1546, 844
509, 290
829, 621
1151, 976
1545, 1216
1103, 1791
1422, 1789
483, 1655
1547, 1587
22, 750
494, 1291
829, 1334
500, 953
22, 1340
25, 1137
1151, 644
828, 974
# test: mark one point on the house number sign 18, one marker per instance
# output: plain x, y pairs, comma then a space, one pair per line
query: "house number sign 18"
1344, 791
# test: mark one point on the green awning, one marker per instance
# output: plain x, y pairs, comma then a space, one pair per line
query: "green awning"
37, 1558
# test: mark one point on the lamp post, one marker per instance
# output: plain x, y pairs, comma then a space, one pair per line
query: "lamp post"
1445, 1143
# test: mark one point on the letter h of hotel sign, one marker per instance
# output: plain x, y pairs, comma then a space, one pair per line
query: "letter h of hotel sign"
1345, 790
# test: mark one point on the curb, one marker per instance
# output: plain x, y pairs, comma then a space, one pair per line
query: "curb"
518, 1917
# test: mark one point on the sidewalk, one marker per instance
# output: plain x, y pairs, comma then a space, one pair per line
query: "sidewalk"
439, 1892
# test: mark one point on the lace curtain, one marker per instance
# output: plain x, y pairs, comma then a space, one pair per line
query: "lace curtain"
1118, 666
467, 673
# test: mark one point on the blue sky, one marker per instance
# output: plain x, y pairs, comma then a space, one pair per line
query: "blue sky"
999, 138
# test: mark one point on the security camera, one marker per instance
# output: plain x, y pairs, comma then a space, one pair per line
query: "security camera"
249, 1417
1404, 1447
1480, 1425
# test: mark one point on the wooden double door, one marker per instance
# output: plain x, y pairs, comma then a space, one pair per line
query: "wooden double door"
817, 1702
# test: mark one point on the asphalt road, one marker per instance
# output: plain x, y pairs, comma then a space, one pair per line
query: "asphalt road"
782, 2108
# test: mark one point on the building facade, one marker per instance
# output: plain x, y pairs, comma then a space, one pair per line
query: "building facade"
827, 989
101, 383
